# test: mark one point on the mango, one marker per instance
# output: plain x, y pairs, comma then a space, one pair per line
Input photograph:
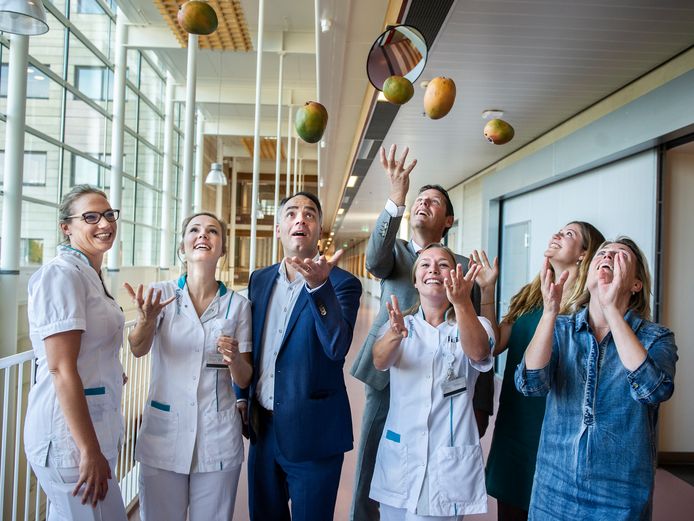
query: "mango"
398, 90
499, 132
197, 17
439, 97
310, 121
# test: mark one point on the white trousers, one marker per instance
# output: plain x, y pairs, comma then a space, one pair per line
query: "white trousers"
170, 496
58, 484
389, 513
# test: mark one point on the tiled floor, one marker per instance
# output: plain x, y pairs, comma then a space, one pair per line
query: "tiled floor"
674, 498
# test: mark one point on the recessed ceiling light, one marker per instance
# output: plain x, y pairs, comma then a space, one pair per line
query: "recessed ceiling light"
340, 211
352, 181
492, 113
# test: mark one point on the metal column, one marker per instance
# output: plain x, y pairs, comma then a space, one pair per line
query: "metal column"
278, 153
165, 245
188, 131
199, 161
256, 136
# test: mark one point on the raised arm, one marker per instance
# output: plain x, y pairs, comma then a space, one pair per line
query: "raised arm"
387, 347
148, 308
486, 280
473, 337
379, 250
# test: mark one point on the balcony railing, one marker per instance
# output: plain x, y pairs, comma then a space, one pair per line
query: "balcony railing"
20, 497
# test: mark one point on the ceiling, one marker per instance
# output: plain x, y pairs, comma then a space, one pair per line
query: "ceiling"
541, 61
230, 77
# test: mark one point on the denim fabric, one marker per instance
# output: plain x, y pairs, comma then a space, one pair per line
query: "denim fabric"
597, 451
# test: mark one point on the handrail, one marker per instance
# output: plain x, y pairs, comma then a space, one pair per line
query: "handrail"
17, 375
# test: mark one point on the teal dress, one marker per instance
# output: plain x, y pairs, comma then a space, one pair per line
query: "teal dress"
511, 462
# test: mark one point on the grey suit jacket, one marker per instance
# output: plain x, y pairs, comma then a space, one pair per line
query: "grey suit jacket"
391, 260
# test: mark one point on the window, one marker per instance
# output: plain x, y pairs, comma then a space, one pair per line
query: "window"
84, 171
94, 81
31, 253
89, 7
34, 168
37, 83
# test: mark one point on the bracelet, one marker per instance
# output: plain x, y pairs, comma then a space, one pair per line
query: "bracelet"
487, 303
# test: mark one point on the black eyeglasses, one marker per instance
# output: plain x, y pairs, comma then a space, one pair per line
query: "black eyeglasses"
94, 217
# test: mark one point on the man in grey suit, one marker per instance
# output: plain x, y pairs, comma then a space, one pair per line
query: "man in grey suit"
391, 259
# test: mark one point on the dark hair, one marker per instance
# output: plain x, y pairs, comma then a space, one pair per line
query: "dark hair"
222, 224
449, 204
309, 195
65, 206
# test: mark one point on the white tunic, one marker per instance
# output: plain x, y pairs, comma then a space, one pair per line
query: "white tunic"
429, 458
66, 295
190, 421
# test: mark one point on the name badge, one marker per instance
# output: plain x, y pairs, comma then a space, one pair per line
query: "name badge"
454, 387
215, 361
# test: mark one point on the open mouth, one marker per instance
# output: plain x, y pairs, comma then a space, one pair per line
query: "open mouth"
554, 245
299, 234
433, 282
605, 267
423, 213
201, 246
103, 236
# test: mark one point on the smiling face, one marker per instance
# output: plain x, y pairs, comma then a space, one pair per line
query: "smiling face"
566, 246
432, 267
299, 227
429, 212
91, 239
603, 263
202, 240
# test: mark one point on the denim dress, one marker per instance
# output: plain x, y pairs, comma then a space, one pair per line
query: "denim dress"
597, 451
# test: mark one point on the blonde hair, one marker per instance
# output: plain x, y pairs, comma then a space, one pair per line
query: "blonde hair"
223, 233
640, 301
530, 296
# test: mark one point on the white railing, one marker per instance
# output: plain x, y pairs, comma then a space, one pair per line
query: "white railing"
20, 497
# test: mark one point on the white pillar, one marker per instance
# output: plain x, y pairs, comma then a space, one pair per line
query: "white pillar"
288, 184
165, 246
278, 152
12, 200
296, 163
256, 134
188, 131
199, 161
317, 31
232, 222
219, 192
117, 132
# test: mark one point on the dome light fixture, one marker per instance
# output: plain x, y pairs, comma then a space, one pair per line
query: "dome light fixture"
24, 17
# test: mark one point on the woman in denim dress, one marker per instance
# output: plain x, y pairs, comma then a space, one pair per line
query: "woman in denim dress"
605, 371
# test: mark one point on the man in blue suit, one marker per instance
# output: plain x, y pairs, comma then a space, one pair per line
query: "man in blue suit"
304, 310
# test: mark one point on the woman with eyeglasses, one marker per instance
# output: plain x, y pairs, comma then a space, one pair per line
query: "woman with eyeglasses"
190, 446
74, 425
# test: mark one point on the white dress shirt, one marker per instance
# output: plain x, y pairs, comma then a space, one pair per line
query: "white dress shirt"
282, 301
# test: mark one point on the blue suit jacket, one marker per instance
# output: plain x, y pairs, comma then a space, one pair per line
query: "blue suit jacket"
311, 417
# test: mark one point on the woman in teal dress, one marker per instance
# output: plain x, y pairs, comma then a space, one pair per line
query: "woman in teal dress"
511, 462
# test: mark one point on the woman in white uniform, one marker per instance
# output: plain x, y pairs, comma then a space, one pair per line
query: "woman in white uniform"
190, 446
73, 424
429, 463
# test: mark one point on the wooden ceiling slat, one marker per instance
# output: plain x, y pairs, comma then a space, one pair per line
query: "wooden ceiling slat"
232, 32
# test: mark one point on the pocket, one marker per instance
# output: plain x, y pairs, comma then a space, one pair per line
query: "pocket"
104, 417
391, 464
221, 440
158, 437
460, 472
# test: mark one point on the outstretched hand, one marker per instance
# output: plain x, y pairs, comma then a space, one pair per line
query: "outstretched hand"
398, 173
551, 291
397, 321
489, 272
148, 306
459, 286
315, 273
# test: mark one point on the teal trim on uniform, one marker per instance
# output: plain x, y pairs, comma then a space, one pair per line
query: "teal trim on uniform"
392, 436
77, 251
181, 282
94, 391
230, 299
160, 406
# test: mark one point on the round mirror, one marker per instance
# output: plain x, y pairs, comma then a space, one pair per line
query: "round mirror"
401, 50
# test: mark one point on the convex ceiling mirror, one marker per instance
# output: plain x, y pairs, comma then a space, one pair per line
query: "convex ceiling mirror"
400, 50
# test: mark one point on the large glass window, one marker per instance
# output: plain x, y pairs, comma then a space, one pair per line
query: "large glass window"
34, 168
37, 84
95, 81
